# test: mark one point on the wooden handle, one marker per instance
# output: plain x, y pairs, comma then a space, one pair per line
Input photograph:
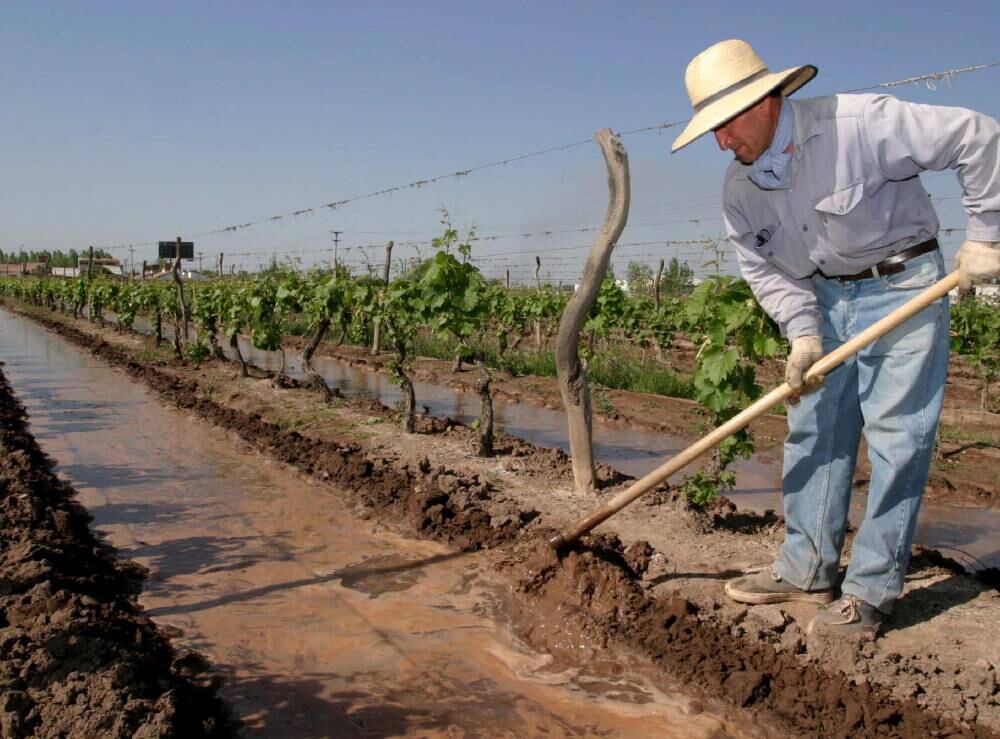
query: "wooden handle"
759, 408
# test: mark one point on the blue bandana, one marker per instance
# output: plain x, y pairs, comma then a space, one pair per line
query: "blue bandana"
770, 170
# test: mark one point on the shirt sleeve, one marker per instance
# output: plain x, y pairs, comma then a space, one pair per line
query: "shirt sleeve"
908, 138
790, 302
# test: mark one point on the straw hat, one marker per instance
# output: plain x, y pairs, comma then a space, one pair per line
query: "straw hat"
726, 79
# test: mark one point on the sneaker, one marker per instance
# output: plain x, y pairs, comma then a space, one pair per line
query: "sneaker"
849, 615
767, 586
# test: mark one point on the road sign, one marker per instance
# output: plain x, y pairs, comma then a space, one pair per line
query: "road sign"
168, 250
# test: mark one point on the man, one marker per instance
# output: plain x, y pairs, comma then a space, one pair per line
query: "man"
833, 230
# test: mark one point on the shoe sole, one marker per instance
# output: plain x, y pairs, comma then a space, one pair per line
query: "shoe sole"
812, 628
821, 597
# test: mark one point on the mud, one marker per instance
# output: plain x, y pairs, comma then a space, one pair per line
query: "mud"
79, 657
595, 597
598, 595
965, 471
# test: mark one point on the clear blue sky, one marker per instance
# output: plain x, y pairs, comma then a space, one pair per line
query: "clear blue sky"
131, 122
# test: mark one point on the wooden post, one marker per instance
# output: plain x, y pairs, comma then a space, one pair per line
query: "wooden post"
90, 264
507, 279
656, 284
183, 318
143, 278
572, 373
538, 286
220, 264
376, 340
486, 415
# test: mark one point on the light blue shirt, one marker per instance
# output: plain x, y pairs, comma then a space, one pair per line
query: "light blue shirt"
854, 196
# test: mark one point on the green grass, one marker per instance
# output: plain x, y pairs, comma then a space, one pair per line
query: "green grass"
608, 369
623, 374
958, 434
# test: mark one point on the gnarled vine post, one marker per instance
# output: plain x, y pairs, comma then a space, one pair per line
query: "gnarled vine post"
486, 417
313, 377
377, 340
182, 303
538, 286
571, 371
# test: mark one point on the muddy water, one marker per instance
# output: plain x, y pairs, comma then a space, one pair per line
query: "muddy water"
323, 625
965, 533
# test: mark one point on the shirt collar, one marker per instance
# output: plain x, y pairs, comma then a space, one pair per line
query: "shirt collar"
806, 126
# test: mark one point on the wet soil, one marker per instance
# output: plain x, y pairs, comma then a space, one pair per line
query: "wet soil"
79, 657
319, 624
965, 471
656, 591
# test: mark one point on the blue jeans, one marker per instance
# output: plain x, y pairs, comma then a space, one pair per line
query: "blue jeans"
892, 390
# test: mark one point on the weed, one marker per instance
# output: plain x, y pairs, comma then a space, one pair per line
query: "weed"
602, 403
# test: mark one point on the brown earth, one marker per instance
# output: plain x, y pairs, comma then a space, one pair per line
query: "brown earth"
654, 591
79, 656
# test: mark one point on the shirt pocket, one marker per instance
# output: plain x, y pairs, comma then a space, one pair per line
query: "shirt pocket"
774, 246
847, 218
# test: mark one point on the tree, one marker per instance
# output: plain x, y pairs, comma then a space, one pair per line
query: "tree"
678, 279
638, 279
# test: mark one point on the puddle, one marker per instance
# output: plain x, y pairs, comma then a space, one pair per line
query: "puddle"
322, 624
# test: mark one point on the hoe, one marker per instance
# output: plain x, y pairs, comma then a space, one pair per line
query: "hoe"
779, 394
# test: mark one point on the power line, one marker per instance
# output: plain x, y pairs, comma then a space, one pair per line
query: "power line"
929, 78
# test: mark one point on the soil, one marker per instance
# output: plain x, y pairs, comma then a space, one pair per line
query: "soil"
965, 470
79, 656
652, 589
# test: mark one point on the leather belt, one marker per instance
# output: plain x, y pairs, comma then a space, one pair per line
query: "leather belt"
891, 265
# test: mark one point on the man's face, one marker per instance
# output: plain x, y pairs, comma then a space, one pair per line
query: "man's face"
749, 134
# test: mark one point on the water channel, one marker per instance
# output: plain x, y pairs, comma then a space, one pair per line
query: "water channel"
323, 627
966, 533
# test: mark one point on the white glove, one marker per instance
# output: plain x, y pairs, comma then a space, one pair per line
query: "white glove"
978, 261
806, 350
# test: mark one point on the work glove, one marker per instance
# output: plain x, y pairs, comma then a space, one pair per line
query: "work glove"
978, 261
806, 350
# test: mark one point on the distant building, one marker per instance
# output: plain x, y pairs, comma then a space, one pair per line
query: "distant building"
989, 292
992, 292
108, 265
23, 268
186, 274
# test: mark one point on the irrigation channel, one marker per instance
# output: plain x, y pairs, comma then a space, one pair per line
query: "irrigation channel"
961, 531
321, 625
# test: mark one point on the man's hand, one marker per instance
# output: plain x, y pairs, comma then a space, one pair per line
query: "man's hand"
978, 261
803, 355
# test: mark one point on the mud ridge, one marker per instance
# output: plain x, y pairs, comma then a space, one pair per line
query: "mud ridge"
79, 656
597, 591
592, 598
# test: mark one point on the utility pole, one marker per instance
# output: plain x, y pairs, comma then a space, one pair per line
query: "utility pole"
131, 260
336, 240
199, 260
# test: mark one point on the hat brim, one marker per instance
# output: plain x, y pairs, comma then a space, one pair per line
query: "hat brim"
718, 112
